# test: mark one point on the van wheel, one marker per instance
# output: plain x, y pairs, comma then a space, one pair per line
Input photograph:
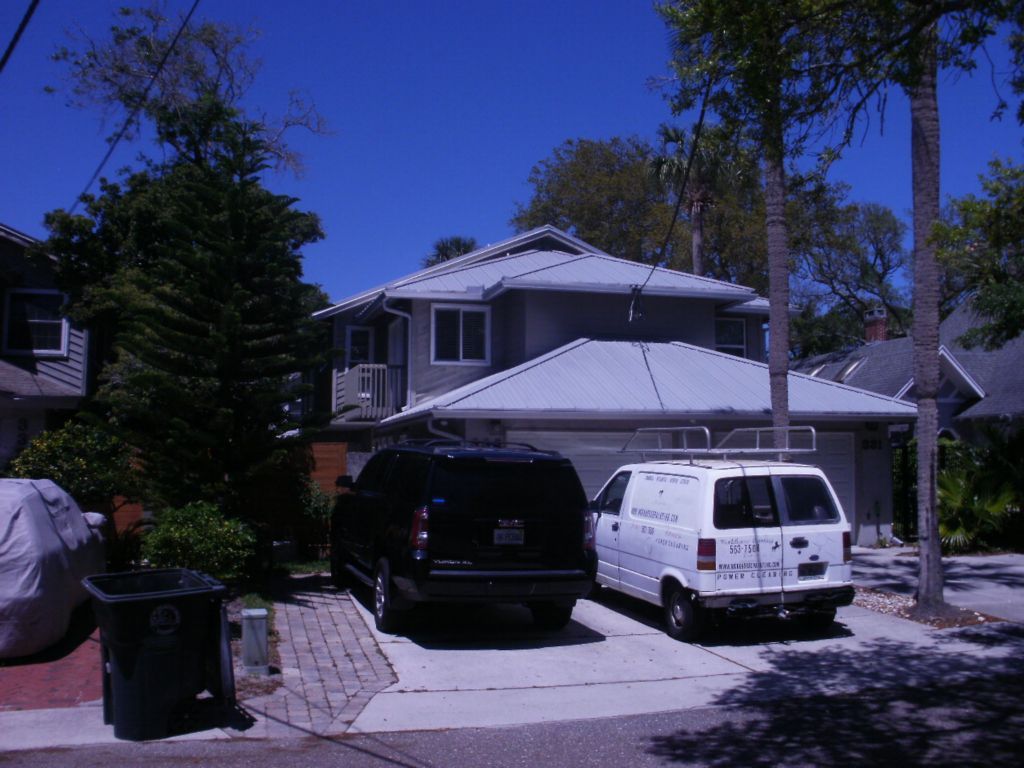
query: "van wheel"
683, 620
551, 616
819, 621
384, 615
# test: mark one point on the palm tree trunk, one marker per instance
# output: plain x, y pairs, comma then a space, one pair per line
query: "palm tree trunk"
924, 137
778, 280
697, 237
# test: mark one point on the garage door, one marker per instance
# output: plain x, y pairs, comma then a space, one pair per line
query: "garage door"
594, 454
835, 457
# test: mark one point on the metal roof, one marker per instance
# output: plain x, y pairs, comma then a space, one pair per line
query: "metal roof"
557, 270
610, 379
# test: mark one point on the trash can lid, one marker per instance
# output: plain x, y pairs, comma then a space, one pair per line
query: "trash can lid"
140, 585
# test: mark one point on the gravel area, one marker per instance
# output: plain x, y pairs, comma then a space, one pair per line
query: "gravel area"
903, 606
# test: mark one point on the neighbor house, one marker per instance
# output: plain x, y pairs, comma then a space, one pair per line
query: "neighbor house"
546, 340
43, 354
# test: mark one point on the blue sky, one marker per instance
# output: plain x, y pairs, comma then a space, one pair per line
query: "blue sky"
438, 111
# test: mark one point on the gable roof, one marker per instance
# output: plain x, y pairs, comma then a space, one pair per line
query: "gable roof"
995, 378
634, 380
541, 259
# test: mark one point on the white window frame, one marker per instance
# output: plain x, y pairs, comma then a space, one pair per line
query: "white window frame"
349, 362
64, 325
486, 310
727, 348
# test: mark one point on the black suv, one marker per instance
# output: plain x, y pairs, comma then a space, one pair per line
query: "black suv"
436, 521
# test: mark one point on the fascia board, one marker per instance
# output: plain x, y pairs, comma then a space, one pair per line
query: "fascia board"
958, 374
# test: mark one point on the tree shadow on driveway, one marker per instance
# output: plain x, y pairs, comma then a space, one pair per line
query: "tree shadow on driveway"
956, 704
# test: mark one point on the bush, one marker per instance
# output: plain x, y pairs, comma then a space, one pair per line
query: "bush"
974, 503
87, 462
198, 536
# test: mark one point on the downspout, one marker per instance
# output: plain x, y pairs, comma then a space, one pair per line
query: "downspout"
441, 433
408, 348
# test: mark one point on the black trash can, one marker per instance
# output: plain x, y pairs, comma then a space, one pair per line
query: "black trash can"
164, 640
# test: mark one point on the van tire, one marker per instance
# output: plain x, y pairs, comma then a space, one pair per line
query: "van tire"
684, 619
819, 621
551, 616
385, 618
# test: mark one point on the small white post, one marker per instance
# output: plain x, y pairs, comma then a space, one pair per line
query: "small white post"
254, 641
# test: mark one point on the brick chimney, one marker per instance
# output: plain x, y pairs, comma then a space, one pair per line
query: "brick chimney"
875, 325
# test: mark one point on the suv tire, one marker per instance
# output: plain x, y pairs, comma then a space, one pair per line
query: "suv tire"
384, 615
551, 616
683, 619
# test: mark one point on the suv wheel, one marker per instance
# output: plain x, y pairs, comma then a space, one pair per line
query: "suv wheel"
683, 620
384, 615
551, 616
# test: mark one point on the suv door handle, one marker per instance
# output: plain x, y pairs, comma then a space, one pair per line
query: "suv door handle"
798, 543
615, 526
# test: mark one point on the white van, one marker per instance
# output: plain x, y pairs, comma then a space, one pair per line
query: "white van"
722, 532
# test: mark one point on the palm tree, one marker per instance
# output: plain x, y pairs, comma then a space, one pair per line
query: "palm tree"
447, 248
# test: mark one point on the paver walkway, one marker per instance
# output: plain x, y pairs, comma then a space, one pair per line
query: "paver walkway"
331, 665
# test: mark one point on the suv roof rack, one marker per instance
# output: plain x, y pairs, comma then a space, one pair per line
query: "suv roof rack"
692, 442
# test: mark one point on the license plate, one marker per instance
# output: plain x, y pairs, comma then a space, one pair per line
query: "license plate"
811, 571
508, 536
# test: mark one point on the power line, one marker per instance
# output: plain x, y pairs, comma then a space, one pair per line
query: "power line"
135, 112
17, 35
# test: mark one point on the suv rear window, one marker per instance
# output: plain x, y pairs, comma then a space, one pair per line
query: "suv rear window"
475, 484
808, 501
744, 502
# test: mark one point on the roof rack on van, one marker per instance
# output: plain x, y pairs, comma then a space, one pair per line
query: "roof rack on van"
692, 442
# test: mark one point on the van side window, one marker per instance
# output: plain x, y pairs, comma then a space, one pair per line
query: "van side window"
744, 502
610, 500
808, 501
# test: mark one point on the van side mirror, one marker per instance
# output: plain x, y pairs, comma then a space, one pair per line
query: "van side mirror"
345, 481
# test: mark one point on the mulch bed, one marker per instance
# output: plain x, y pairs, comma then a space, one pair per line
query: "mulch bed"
905, 607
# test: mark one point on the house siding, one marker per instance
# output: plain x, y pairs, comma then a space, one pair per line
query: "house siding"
70, 370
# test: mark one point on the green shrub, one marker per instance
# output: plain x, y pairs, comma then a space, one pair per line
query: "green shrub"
974, 505
198, 536
90, 464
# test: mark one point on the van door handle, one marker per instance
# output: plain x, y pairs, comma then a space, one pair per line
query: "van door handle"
799, 543
615, 526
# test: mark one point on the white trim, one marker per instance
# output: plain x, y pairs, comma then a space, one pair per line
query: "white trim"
64, 326
479, 308
348, 345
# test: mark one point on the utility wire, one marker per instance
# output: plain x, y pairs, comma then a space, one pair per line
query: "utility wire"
17, 35
135, 112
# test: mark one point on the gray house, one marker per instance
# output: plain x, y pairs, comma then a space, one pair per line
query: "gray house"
42, 354
545, 339
976, 387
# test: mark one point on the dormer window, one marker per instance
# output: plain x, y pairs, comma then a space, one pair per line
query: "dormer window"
460, 334
731, 336
33, 323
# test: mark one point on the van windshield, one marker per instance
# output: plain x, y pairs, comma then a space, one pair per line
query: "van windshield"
477, 486
808, 501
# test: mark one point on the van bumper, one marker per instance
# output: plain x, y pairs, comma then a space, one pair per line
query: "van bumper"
496, 586
771, 602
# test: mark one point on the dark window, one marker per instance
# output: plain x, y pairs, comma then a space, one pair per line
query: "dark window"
375, 473
34, 322
808, 501
406, 485
475, 485
460, 335
611, 498
360, 346
731, 335
744, 502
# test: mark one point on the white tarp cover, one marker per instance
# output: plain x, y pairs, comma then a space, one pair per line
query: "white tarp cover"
46, 548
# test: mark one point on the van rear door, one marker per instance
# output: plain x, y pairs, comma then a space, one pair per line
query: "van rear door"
748, 541
812, 533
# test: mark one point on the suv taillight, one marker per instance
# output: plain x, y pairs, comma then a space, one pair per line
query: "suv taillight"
706, 555
847, 548
420, 533
588, 531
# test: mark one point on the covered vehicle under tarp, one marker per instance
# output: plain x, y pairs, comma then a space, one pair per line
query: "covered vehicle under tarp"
47, 545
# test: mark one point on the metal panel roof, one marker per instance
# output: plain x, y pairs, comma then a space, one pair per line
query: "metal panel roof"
608, 379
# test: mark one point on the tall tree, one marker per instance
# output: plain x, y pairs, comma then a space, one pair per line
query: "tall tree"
750, 62
447, 248
602, 192
214, 319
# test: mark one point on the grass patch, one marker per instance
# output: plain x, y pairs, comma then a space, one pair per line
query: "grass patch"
305, 567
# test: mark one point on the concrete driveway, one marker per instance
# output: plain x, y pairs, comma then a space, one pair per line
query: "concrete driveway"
992, 584
487, 666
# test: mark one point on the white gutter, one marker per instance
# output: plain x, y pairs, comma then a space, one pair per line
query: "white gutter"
408, 348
